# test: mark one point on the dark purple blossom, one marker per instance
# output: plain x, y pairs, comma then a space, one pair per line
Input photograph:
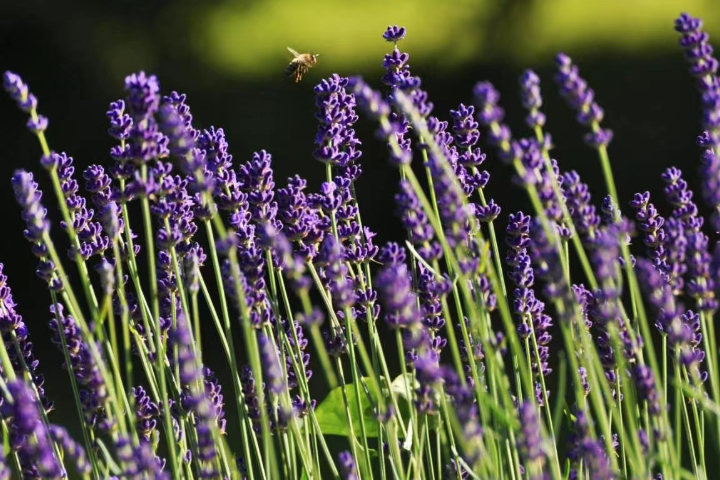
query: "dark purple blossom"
651, 224
28, 196
120, 122
145, 142
335, 139
529, 311
147, 414
710, 175
394, 33
577, 198
19, 92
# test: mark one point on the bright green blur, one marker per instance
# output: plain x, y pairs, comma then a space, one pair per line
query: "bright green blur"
248, 39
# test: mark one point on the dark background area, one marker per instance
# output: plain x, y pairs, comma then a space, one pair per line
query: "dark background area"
649, 99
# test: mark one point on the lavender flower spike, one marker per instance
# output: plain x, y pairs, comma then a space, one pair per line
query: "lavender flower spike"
532, 101
394, 33
530, 440
12, 323
348, 470
25, 100
28, 196
29, 434
582, 99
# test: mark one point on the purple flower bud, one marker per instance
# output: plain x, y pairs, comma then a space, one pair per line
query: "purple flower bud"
335, 271
394, 33
28, 196
348, 470
143, 95
19, 92
276, 382
335, 139
531, 99
581, 98
395, 288
71, 449
530, 440
29, 433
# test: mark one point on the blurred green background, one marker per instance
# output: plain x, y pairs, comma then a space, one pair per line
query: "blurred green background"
230, 57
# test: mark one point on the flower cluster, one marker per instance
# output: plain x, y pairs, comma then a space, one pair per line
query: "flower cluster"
288, 284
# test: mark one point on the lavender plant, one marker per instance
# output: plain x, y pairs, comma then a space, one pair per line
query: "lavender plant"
175, 234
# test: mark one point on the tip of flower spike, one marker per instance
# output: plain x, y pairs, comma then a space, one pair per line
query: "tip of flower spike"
19, 91
12, 81
563, 60
394, 33
686, 23
486, 93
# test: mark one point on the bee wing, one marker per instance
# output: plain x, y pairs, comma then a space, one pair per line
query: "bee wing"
295, 54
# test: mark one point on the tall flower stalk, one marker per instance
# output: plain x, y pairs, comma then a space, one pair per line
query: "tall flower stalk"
309, 312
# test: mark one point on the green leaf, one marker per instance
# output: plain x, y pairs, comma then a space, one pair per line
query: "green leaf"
332, 416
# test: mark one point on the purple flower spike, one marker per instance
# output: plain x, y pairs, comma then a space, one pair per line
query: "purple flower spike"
71, 449
645, 382
28, 196
139, 461
29, 434
335, 140
335, 271
532, 101
591, 452
395, 288
487, 98
394, 33
348, 470
368, 99
11, 322
465, 128
710, 175
530, 440
19, 92
273, 374
147, 413
703, 66
143, 95
94, 396
145, 142
120, 122
578, 199
581, 98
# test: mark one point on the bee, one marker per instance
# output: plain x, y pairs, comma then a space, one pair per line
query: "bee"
300, 64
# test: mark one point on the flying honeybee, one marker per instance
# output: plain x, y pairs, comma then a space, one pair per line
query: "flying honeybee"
300, 64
